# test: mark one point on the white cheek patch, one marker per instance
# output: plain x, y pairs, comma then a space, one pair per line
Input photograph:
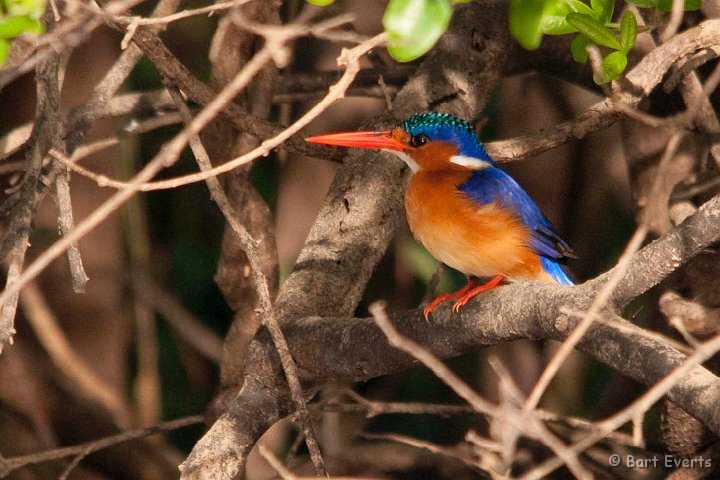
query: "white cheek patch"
469, 162
405, 158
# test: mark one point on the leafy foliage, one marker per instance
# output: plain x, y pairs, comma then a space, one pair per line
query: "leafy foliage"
16, 18
414, 26
531, 19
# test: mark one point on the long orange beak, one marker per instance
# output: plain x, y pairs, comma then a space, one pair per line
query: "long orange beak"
384, 140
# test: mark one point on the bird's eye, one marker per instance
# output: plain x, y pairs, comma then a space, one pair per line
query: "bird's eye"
419, 140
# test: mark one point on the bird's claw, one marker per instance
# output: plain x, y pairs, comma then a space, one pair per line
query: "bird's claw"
456, 306
463, 295
434, 304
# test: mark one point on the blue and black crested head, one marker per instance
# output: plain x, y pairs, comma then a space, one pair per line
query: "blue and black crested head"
443, 127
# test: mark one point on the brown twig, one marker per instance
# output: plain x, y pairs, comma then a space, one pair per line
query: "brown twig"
579, 331
457, 452
198, 92
74, 463
377, 310
45, 134
172, 150
189, 327
286, 474
80, 119
372, 408
48, 332
134, 22
638, 83
677, 11
65, 220
262, 288
9, 465
527, 424
703, 352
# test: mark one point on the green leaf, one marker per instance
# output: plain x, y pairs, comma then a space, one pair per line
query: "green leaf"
530, 19
578, 48
413, 26
628, 31
15, 26
554, 16
643, 3
556, 25
4, 49
526, 22
597, 32
603, 10
578, 7
552, 19
33, 8
321, 3
612, 66
690, 5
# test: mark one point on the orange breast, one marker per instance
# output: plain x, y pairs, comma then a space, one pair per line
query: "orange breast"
477, 240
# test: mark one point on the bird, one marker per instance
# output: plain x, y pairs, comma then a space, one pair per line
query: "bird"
467, 212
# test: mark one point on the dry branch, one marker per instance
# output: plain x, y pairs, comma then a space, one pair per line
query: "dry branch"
8, 465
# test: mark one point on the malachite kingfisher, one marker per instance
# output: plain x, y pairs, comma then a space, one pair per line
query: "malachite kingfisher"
468, 213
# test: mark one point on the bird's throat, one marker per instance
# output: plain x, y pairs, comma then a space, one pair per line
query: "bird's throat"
414, 167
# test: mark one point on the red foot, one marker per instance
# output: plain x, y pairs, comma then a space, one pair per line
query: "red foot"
472, 282
474, 291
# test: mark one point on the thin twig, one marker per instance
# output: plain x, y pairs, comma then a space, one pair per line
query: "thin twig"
51, 337
447, 376
10, 464
184, 14
189, 327
286, 474
261, 286
75, 462
642, 404
45, 134
607, 290
166, 157
456, 453
65, 220
16, 261
676, 17
532, 426
649, 334
579, 331
372, 408
377, 310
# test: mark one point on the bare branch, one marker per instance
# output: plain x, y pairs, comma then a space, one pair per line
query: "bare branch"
638, 83
190, 328
172, 150
66, 222
47, 329
262, 288
8, 465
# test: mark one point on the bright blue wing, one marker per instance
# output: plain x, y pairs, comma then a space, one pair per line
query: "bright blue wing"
494, 185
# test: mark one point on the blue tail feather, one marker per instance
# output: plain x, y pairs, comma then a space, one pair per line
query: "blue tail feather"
554, 269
